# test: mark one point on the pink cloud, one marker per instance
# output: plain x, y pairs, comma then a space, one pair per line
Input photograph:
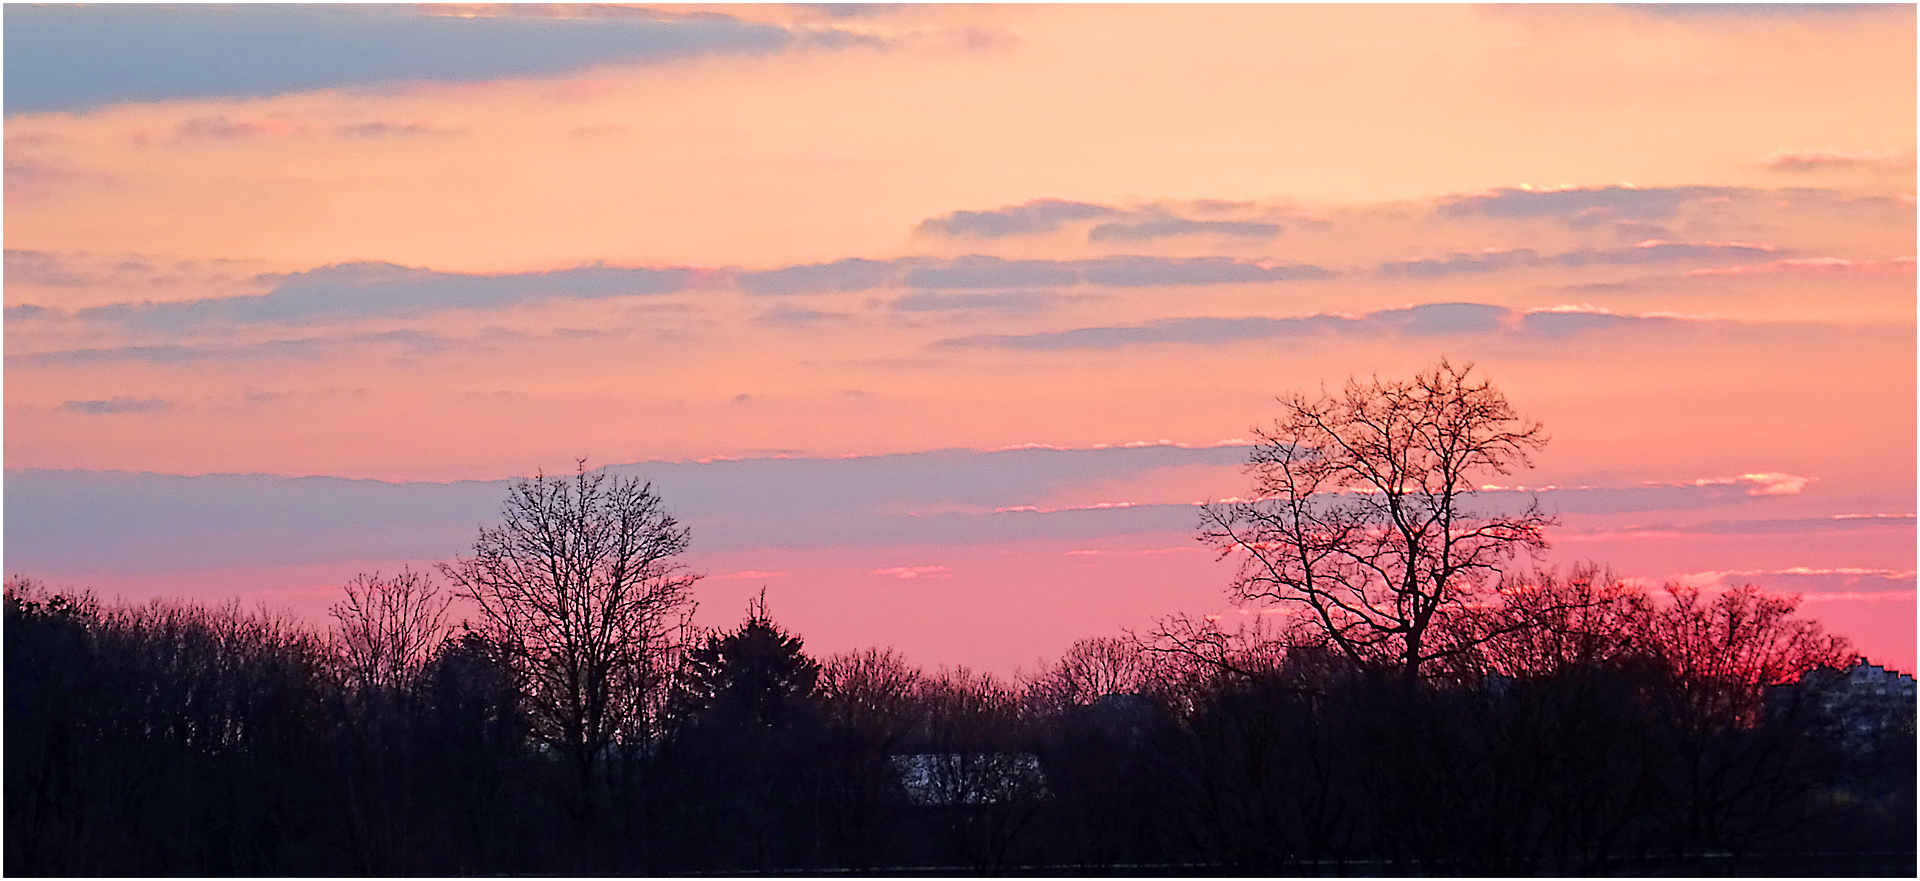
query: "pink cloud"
749, 575
1750, 246
1759, 483
914, 572
1856, 596
1816, 266
1855, 571
1094, 552
1096, 506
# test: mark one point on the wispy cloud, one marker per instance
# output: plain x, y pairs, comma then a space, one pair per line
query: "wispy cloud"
1141, 271
1428, 319
1813, 583
911, 572
985, 272
1768, 483
1815, 266
1648, 251
993, 272
121, 404
748, 575
1172, 227
412, 342
1007, 302
1810, 160
1130, 225
1122, 271
350, 291
1027, 218
1579, 205
852, 274
789, 316
1600, 501
1710, 11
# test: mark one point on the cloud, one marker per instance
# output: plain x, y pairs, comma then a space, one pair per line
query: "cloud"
1812, 584
790, 316
378, 129
977, 272
1456, 264
351, 291
413, 342
1120, 271
123, 521
1811, 160
1124, 225
1768, 483
1028, 218
42, 268
119, 521
910, 572
1580, 206
748, 575
1816, 266
144, 272
1009, 302
1434, 319
993, 272
1171, 227
220, 128
1201, 331
1648, 251
121, 404
1684, 11
1556, 324
1687, 496
77, 58
1139, 271
28, 311
30, 177
1422, 320
853, 274
1141, 552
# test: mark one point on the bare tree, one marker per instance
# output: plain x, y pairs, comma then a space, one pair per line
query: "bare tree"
1366, 512
389, 626
578, 592
1090, 670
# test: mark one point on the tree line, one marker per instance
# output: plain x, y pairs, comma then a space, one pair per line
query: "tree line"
1418, 703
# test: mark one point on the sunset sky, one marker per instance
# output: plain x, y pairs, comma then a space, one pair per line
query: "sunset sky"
935, 321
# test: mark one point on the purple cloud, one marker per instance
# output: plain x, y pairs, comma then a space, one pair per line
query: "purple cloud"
1028, 218
121, 404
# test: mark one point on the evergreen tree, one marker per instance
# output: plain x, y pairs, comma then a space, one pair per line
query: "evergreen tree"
754, 675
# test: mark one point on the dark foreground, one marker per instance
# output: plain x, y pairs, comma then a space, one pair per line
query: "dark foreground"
178, 741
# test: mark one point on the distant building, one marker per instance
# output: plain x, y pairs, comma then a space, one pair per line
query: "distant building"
1862, 703
970, 778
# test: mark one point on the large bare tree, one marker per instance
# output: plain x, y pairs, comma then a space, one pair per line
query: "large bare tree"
1368, 515
578, 591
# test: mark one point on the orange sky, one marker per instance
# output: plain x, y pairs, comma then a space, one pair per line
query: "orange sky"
1685, 236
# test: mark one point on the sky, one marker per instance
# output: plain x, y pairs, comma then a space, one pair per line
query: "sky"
935, 322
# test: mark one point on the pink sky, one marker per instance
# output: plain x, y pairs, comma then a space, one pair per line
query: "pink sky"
831, 246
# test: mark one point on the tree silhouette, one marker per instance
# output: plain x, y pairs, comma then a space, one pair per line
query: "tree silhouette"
390, 626
575, 591
743, 752
755, 675
1365, 512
